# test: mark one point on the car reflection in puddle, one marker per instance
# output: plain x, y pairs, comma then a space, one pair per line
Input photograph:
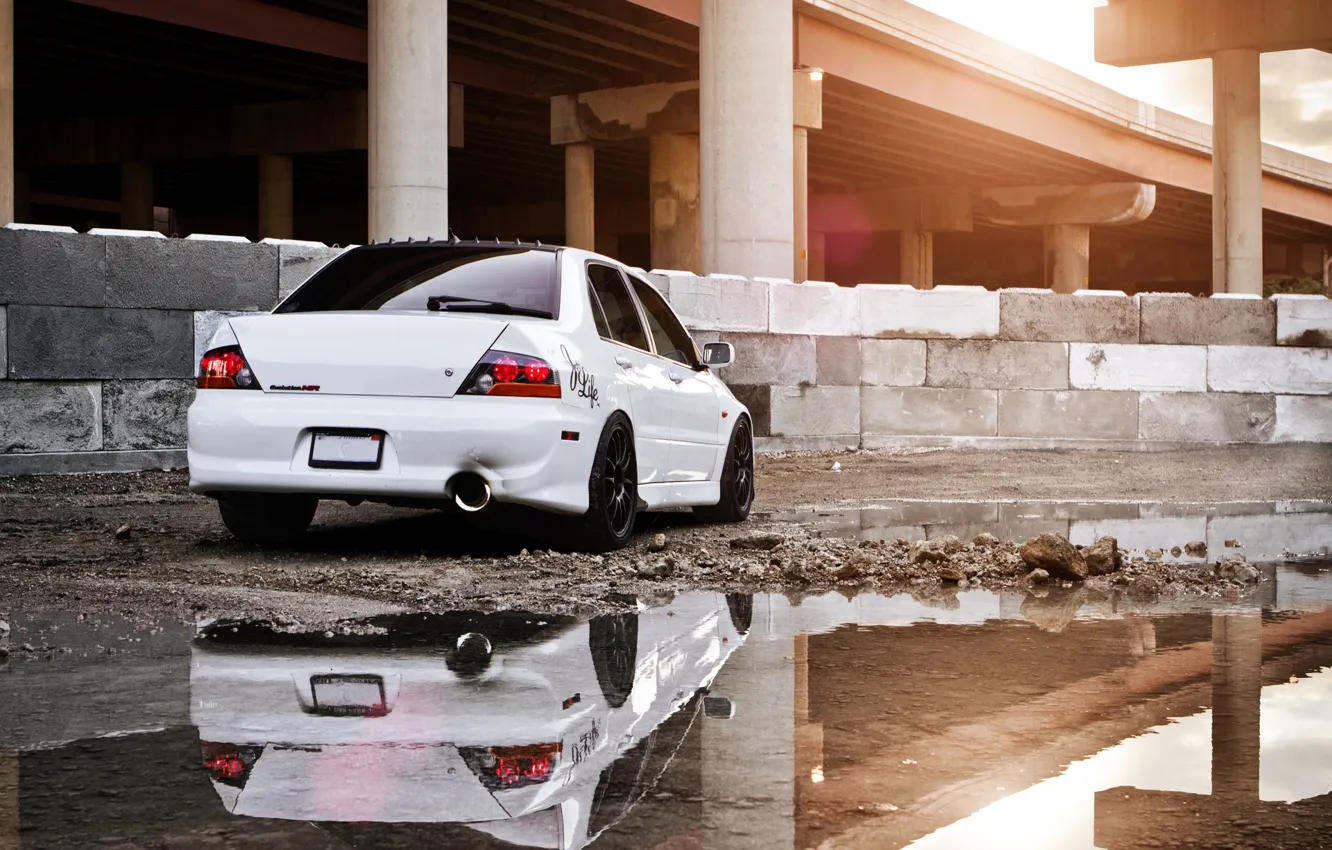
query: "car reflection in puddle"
538, 730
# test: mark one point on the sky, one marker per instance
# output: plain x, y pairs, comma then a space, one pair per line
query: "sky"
1296, 85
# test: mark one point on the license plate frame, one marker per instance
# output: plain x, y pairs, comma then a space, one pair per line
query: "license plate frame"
340, 681
347, 435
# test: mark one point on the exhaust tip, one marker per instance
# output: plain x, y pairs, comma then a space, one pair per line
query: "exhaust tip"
471, 493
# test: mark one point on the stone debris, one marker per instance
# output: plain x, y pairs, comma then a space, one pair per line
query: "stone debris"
1196, 549
837, 466
985, 539
1038, 576
758, 541
124, 532
658, 569
1237, 569
1103, 557
1153, 556
1054, 554
658, 542
1231, 543
929, 551
1176, 551
952, 575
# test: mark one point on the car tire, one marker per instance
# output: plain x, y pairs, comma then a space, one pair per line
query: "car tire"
737, 482
267, 519
612, 492
613, 641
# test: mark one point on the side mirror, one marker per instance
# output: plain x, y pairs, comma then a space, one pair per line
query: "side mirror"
718, 354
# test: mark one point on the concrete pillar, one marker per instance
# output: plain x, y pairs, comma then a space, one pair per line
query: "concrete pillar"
673, 190
580, 196
917, 258
745, 120
1237, 683
136, 195
1237, 174
1067, 256
277, 198
409, 119
6, 111
800, 174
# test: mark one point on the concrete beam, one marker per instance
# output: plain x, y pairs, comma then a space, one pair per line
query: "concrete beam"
1100, 203
1148, 32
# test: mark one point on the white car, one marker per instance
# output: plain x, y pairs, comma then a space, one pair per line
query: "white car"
540, 731
453, 374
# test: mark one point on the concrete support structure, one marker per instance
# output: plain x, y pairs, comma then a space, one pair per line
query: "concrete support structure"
800, 178
7, 111
745, 118
409, 119
136, 195
1237, 683
1237, 174
1067, 257
580, 196
917, 258
673, 189
277, 197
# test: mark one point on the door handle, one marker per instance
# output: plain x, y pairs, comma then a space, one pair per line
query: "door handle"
625, 362
676, 377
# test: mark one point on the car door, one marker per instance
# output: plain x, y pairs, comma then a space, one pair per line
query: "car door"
642, 372
696, 409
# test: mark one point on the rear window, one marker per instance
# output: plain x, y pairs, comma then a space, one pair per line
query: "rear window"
405, 277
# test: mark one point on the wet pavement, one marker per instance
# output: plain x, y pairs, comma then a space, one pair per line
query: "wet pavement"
962, 719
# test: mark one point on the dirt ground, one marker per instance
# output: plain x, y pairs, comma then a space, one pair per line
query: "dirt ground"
59, 544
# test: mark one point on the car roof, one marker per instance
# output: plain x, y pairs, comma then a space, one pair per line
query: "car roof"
455, 242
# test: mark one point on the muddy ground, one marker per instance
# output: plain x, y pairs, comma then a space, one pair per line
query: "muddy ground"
59, 545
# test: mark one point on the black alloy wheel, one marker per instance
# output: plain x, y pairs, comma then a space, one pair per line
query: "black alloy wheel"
612, 494
737, 483
619, 483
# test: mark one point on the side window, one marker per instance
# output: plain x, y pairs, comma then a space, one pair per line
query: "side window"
598, 315
622, 322
673, 341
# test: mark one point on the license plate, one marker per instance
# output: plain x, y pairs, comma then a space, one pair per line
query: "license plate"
347, 449
347, 694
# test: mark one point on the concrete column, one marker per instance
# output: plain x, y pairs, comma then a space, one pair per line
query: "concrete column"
918, 258
136, 195
1067, 256
800, 174
6, 111
409, 119
1237, 174
673, 189
580, 196
1237, 684
745, 121
277, 197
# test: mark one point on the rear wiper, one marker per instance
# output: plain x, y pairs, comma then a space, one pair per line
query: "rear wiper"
458, 304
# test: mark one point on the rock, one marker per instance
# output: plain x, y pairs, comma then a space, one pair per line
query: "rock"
929, 551
985, 539
1196, 549
1234, 544
825, 563
1054, 554
1038, 576
1153, 556
4, 652
658, 542
1237, 569
1054, 611
4, 627
952, 575
758, 540
123, 533
847, 573
27, 647
1103, 557
1175, 552
950, 543
795, 571
660, 569
837, 466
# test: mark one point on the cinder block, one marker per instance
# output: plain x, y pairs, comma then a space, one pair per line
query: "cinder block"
1303, 320
42, 417
298, 261
758, 398
893, 362
145, 414
815, 307
1188, 320
661, 280
889, 311
206, 323
766, 358
1152, 368
1250, 369
1206, 417
927, 411
76, 343
838, 361
55, 268
996, 365
719, 302
175, 274
1303, 419
1057, 317
1068, 414
815, 411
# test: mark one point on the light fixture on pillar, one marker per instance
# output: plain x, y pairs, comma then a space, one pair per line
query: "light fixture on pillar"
816, 74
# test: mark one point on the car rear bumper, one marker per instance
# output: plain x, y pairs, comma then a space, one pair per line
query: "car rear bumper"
243, 441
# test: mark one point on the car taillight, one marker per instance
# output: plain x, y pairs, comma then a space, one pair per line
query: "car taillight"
226, 369
499, 768
230, 764
502, 373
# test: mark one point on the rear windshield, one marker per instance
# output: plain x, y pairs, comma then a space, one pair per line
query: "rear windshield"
405, 277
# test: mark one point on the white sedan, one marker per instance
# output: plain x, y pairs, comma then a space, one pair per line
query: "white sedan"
459, 375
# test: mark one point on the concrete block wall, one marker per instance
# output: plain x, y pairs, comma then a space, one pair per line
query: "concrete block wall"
101, 334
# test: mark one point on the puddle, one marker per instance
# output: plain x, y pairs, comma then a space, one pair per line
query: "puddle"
967, 720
